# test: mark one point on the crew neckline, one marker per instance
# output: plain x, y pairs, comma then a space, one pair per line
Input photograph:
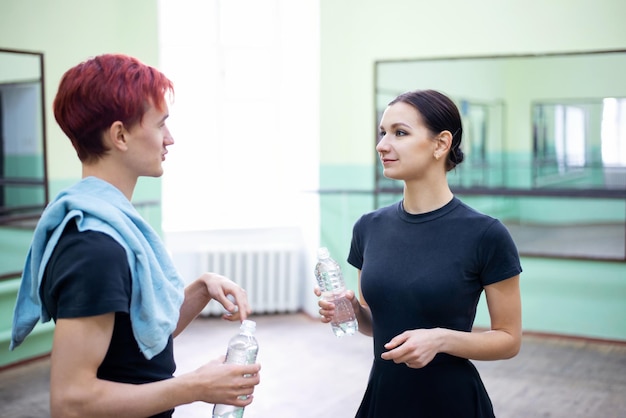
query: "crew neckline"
427, 216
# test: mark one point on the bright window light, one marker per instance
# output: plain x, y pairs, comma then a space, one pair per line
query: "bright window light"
245, 118
614, 132
569, 132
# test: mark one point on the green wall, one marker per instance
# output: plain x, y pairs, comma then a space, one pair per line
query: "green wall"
582, 298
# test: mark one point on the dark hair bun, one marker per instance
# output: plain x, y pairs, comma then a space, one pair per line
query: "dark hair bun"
457, 156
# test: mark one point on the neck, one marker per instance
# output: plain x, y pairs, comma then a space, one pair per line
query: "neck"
421, 198
125, 184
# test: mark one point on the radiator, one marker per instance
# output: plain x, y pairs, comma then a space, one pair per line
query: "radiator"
271, 277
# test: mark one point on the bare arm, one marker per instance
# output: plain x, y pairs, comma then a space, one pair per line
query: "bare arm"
418, 347
212, 286
79, 346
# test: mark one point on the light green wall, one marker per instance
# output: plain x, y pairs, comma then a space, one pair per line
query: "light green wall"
356, 33
68, 32
584, 298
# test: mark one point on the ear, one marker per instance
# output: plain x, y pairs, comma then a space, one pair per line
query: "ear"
443, 144
116, 136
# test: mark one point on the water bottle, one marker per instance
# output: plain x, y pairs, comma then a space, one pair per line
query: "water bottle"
242, 349
330, 282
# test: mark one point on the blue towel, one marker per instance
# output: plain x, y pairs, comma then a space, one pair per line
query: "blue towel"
157, 288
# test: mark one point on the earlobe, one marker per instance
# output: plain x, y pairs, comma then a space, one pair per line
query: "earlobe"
442, 144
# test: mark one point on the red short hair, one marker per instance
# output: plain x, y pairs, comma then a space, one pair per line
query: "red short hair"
102, 90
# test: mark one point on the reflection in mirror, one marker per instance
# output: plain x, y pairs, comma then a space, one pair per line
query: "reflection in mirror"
544, 138
580, 144
483, 126
23, 181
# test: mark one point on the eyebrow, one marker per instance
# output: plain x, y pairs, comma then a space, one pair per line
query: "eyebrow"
396, 124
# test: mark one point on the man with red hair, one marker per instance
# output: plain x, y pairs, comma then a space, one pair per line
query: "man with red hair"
102, 273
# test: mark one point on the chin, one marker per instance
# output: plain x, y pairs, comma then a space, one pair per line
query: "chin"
156, 173
390, 175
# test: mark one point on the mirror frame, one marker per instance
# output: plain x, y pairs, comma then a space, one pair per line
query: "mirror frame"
19, 215
386, 191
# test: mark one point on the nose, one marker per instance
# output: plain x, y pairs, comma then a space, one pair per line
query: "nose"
381, 146
168, 139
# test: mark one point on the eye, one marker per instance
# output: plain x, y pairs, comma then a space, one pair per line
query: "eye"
400, 133
381, 134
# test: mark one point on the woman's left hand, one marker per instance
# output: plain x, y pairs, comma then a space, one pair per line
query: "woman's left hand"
415, 348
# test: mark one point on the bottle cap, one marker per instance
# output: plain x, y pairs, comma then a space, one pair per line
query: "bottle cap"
322, 253
248, 325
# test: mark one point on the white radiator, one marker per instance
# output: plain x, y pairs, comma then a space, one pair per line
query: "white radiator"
270, 278
268, 263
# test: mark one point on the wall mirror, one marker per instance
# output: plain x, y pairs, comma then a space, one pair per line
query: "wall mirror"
544, 139
23, 178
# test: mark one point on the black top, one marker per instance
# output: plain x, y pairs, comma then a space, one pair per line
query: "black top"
88, 274
427, 271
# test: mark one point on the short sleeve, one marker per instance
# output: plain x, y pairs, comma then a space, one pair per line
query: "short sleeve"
88, 274
498, 254
355, 257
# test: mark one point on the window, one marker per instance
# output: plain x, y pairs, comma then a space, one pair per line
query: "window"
614, 132
569, 137
245, 117
580, 144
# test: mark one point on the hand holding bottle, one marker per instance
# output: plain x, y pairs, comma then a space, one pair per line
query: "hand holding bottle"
327, 307
223, 383
336, 301
242, 350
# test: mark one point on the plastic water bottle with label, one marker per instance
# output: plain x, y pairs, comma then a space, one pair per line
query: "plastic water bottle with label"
242, 349
331, 283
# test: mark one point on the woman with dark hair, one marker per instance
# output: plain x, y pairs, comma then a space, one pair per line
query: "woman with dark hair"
423, 263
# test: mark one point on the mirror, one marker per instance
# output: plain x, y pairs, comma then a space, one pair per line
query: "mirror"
580, 143
544, 140
23, 178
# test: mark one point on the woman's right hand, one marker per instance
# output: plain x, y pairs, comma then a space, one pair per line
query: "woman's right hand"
327, 309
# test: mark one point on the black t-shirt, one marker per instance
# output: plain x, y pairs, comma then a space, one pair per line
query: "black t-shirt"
87, 275
427, 271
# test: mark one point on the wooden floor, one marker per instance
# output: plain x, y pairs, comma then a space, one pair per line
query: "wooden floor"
308, 373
